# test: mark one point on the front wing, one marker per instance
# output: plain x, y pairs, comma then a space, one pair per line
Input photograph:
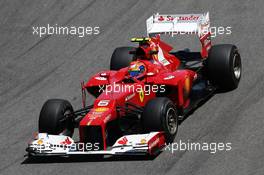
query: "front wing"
59, 145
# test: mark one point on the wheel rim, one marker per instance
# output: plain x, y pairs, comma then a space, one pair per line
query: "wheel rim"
237, 66
66, 131
172, 124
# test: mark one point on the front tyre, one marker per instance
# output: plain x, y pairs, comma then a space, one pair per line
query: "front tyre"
160, 114
54, 118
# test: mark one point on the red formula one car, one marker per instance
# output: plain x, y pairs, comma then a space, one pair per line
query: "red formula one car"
141, 99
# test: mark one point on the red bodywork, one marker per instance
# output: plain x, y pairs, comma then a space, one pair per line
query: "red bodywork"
158, 72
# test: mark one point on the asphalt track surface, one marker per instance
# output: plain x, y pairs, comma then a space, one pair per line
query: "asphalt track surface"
34, 69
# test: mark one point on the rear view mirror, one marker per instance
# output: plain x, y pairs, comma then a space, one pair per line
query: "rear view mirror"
105, 74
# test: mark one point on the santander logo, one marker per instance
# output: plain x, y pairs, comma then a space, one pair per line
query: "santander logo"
66, 141
123, 141
188, 18
161, 18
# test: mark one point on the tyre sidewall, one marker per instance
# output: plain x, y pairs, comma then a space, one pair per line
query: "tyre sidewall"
52, 113
121, 58
155, 117
220, 66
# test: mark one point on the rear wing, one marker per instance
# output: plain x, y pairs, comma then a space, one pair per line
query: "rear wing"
182, 24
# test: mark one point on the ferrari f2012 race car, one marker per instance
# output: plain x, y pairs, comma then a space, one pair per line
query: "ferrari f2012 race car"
140, 101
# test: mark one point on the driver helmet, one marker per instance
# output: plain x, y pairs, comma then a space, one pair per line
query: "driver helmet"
136, 69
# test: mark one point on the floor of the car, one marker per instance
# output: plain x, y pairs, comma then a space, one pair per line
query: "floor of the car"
200, 93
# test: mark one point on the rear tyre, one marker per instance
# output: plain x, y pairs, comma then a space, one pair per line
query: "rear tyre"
53, 118
224, 66
160, 114
121, 58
